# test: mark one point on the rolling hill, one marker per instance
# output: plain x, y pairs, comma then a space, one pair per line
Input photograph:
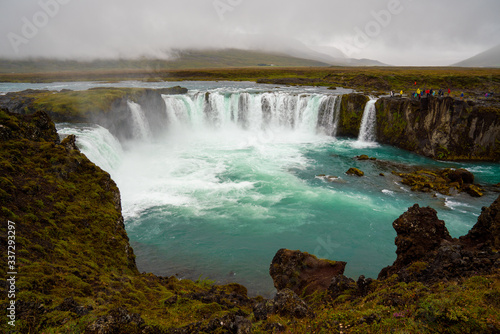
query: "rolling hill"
488, 58
188, 59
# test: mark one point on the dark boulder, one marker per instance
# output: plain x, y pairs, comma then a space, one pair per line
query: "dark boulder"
303, 273
69, 143
285, 303
419, 231
461, 176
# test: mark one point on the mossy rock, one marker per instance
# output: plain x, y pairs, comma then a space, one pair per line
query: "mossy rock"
441, 181
474, 190
351, 112
355, 171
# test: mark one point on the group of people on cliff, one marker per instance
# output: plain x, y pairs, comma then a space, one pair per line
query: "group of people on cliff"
426, 92
418, 93
429, 92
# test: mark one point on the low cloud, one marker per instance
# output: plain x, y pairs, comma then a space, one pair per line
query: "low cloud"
414, 33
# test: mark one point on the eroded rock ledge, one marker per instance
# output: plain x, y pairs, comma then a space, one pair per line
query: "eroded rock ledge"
425, 253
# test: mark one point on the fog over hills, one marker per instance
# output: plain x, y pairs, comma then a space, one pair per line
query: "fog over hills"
399, 32
488, 58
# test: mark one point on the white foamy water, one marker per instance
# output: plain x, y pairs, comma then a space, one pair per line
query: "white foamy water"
97, 143
141, 128
367, 129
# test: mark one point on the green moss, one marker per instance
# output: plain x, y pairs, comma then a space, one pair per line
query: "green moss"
355, 171
351, 113
436, 181
82, 103
391, 123
417, 267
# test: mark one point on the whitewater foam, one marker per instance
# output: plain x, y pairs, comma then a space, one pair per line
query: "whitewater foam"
98, 144
368, 123
141, 128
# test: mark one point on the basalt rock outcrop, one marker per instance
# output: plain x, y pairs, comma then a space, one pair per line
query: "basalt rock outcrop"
303, 273
286, 302
440, 128
486, 233
427, 253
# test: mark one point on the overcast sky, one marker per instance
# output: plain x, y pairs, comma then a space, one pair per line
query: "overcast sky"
396, 32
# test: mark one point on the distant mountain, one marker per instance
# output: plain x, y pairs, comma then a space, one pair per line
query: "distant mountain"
488, 58
363, 62
294, 56
241, 58
334, 56
297, 56
281, 45
185, 59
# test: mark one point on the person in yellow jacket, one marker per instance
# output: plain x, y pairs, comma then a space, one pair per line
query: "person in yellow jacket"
418, 92
401, 93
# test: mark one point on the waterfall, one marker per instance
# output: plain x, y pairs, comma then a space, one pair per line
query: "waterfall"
253, 111
329, 114
141, 127
98, 144
368, 123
